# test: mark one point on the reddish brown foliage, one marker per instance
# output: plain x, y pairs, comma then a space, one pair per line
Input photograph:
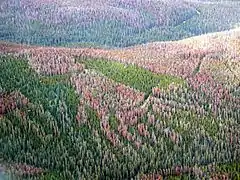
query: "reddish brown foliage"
151, 177
220, 177
11, 101
23, 169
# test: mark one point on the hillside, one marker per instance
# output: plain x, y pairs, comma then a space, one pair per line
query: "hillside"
162, 110
213, 53
111, 23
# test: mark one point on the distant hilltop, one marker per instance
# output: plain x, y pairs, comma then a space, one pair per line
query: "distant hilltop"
112, 23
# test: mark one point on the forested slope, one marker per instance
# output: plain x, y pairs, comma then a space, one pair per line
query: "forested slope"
83, 124
109, 23
155, 110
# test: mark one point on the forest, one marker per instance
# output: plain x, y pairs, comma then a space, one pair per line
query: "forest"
91, 123
109, 23
119, 89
